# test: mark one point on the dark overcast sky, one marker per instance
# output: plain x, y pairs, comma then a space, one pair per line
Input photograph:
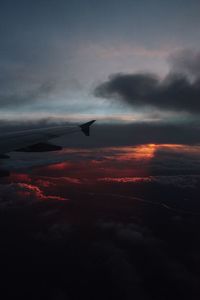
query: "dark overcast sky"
54, 53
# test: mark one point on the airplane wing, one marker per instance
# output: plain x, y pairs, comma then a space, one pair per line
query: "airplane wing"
36, 140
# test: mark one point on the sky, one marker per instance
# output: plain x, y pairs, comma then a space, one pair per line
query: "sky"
116, 214
55, 54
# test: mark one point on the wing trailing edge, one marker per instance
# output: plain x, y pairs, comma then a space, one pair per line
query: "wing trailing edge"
86, 127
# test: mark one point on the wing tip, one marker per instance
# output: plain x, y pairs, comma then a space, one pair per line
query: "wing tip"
86, 127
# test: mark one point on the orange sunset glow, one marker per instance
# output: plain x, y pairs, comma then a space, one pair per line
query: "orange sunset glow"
117, 164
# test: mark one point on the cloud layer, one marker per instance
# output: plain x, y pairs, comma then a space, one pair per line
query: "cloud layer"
178, 91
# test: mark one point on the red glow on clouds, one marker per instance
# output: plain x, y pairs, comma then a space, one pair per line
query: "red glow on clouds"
33, 191
112, 162
139, 152
59, 166
94, 167
16, 177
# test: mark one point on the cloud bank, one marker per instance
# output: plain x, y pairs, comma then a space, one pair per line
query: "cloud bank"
178, 91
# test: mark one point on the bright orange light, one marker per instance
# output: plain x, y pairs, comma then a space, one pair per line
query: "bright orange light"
148, 151
144, 151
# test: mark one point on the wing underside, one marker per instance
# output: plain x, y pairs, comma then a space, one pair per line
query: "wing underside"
29, 138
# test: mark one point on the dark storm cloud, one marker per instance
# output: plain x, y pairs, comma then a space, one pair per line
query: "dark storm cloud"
176, 92
186, 62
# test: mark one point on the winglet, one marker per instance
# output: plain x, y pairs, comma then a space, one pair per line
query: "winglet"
86, 127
